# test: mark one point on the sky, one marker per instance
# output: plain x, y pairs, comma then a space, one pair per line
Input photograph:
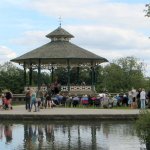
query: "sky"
109, 28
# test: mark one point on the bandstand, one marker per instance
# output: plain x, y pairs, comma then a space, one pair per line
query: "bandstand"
59, 52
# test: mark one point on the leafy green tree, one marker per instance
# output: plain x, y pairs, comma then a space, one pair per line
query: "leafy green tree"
133, 72
11, 78
112, 78
122, 74
99, 82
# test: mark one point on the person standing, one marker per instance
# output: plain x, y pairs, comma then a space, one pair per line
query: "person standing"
143, 98
28, 99
130, 100
138, 98
134, 100
134, 94
40, 97
75, 101
33, 101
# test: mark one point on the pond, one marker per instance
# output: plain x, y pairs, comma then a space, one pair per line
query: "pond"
73, 135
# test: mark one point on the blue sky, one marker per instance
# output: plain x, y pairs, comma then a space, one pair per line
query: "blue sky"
109, 28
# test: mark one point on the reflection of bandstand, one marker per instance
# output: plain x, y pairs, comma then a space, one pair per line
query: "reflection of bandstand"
60, 53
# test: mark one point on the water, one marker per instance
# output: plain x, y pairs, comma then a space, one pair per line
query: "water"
69, 136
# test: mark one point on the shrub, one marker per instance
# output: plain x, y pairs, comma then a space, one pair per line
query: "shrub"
142, 126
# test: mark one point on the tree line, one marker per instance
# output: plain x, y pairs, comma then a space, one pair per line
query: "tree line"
121, 74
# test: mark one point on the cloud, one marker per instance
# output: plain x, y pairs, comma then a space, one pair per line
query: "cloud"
6, 54
99, 23
109, 29
31, 39
110, 38
100, 37
96, 11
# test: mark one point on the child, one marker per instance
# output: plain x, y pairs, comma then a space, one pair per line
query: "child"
33, 101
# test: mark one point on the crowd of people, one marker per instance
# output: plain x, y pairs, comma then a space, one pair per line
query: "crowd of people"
134, 98
47, 98
51, 96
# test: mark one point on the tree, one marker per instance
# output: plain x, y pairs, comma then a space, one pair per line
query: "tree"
11, 78
112, 78
133, 72
122, 74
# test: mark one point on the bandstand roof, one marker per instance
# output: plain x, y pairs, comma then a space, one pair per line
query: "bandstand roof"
58, 51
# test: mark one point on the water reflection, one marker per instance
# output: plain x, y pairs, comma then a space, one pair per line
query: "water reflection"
8, 133
69, 136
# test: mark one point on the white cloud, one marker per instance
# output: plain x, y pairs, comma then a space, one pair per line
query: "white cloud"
100, 37
31, 39
95, 11
6, 54
111, 30
110, 38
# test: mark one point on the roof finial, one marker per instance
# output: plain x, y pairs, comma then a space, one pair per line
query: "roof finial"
60, 21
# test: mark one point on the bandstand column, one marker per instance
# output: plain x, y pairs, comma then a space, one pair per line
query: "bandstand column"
68, 66
30, 75
39, 74
78, 72
52, 75
92, 76
25, 76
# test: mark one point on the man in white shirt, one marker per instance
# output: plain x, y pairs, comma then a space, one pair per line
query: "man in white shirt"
143, 98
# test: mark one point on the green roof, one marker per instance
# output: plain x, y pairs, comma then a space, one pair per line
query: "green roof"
59, 51
59, 32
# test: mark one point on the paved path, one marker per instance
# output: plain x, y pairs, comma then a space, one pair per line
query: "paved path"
70, 111
58, 113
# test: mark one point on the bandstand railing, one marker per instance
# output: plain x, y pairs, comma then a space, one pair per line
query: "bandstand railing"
65, 88
76, 88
